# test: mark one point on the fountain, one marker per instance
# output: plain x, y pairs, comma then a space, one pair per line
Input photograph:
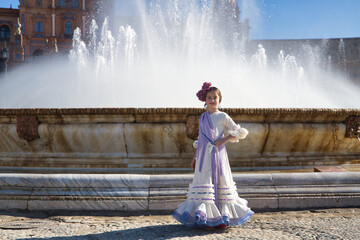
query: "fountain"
124, 104
180, 43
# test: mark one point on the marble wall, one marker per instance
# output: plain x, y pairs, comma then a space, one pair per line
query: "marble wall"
158, 140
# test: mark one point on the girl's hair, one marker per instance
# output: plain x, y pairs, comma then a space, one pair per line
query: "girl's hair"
216, 90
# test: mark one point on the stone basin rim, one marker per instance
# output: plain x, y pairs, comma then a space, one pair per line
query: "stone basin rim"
147, 192
176, 111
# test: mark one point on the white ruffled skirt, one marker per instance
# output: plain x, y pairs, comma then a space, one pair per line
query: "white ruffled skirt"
200, 209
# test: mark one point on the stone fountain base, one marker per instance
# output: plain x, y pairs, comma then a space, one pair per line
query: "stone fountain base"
130, 192
148, 141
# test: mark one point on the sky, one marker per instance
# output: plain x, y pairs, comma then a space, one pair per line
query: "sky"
293, 19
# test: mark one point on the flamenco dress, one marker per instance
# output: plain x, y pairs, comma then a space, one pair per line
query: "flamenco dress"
212, 198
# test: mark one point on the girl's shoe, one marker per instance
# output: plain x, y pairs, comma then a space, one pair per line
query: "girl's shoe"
222, 226
209, 228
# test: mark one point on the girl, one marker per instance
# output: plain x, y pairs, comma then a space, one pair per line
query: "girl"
212, 200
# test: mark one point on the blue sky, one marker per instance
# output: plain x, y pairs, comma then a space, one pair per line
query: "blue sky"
292, 19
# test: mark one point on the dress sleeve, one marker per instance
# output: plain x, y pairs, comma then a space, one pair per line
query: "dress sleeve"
235, 129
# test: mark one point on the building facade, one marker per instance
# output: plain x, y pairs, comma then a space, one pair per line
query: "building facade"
44, 27
8, 21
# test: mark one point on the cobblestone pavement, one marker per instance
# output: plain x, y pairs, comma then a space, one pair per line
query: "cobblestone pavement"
310, 224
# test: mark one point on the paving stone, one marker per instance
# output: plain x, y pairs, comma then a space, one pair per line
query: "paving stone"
82, 225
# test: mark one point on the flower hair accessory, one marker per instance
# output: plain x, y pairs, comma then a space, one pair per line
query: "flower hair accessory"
201, 93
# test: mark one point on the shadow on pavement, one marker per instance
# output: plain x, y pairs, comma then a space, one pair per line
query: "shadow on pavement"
149, 232
49, 213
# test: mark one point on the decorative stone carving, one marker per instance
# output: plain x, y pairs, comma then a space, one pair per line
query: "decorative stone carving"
23, 145
192, 126
180, 145
27, 127
352, 127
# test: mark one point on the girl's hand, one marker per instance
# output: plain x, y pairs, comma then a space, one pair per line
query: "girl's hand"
193, 163
220, 142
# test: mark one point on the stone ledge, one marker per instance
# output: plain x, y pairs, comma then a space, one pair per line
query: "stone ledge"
144, 111
60, 115
127, 192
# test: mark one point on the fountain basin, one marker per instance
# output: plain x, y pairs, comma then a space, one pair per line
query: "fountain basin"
159, 140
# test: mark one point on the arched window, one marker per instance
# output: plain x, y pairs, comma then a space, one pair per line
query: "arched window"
68, 29
38, 55
62, 3
4, 33
38, 52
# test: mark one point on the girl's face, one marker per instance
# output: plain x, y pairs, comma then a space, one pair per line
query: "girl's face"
212, 101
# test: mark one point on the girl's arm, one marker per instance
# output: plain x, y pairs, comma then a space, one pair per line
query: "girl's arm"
236, 132
235, 129
193, 163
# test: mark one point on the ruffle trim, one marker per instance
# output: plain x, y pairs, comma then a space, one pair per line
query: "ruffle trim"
206, 193
239, 133
200, 219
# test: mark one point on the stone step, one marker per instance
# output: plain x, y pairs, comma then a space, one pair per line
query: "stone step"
132, 192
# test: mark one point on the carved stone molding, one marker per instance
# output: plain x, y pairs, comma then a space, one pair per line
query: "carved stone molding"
177, 111
192, 126
352, 127
27, 127
176, 115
